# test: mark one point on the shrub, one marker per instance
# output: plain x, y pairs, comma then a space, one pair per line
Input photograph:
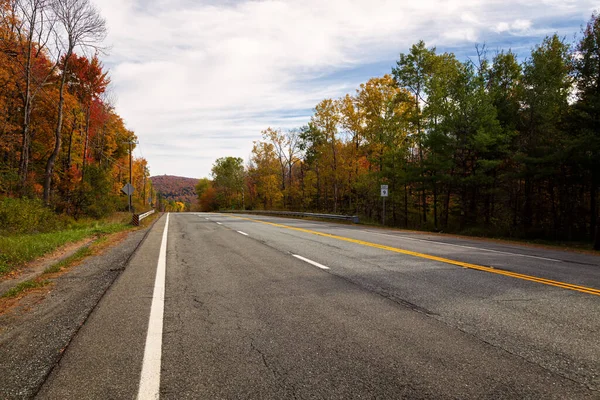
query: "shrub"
94, 198
27, 216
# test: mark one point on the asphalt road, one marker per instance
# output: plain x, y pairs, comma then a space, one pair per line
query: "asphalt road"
272, 308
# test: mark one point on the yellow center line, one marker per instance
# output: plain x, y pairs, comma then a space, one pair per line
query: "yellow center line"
531, 278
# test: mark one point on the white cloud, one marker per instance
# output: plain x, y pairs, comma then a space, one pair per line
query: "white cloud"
206, 77
517, 26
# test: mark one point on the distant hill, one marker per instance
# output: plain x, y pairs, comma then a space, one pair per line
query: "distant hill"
176, 188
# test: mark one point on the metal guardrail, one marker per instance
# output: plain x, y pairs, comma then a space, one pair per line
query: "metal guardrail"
351, 218
135, 220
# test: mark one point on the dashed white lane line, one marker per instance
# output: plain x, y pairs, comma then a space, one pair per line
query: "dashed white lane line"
218, 223
465, 247
150, 376
316, 264
243, 233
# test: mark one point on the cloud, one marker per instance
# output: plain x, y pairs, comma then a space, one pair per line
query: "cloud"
519, 25
210, 75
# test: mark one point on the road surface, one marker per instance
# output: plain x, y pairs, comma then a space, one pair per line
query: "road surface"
221, 306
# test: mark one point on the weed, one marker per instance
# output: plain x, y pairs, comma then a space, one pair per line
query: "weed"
78, 255
26, 285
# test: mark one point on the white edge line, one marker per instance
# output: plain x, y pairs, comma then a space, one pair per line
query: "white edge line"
150, 377
316, 264
466, 247
243, 233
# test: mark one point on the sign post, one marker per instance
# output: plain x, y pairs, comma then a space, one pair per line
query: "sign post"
384, 194
128, 190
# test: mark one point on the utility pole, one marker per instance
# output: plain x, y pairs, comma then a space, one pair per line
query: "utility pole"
144, 191
131, 143
130, 171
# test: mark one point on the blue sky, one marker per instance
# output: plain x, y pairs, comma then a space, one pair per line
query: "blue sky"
198, 80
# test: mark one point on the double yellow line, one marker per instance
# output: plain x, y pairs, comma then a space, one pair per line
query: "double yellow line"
564, 285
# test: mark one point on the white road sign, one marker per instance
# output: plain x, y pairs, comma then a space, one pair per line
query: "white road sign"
384, 190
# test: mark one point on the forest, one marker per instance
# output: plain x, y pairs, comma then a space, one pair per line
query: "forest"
175, 193
495, 145
61, 139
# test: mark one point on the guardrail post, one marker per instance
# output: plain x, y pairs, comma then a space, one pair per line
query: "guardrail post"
136, 218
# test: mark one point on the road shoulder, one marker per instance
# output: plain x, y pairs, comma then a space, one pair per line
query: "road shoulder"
33, 339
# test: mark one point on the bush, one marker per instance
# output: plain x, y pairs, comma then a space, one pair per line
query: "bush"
94, 198
27, 216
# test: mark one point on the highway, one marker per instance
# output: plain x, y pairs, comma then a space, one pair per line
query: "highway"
222, 306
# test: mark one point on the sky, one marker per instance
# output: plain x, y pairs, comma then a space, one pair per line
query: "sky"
200, 79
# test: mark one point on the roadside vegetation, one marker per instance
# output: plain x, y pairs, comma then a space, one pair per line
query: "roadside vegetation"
61, 139
26, 286
502, 144
29, 230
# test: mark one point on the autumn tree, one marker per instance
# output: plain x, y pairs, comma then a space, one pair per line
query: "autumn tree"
87, 81
326, 121
265, 175
228, 180
80, 25
28, 26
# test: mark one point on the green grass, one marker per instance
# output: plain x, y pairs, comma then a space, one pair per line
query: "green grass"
26, 285
18, 249
78, 255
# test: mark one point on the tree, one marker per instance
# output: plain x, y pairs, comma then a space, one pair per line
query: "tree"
326, 120
265, 174
203, 185
28, 27
546, 87
413, 72
587, 142
81, 26
228, 180
87, 81
286, 146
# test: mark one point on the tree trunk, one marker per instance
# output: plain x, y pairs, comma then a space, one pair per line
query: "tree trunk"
57, 133
527, 206
86, 141
447, 206
597, 241
405, 205
73, 127
24, 161
283, 182
318, 186
435, 212
594, 206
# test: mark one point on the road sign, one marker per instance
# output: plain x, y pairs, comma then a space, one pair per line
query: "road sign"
384, 190
128, 189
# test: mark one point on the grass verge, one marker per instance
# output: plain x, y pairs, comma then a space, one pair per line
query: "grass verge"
18, 249
26, 286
